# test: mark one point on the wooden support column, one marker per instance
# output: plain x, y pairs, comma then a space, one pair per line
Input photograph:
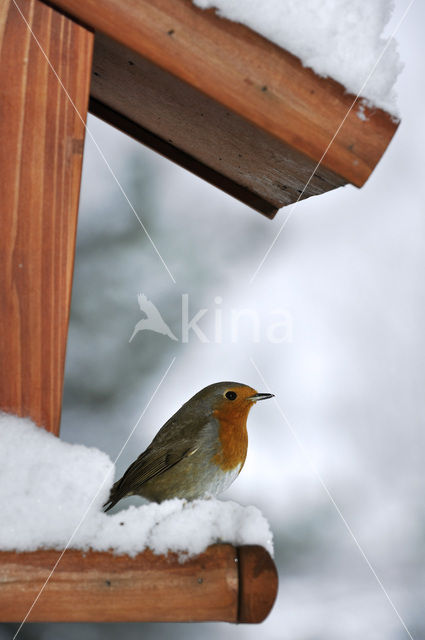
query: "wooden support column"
41, 151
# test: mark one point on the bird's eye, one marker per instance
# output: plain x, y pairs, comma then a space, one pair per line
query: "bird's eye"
231, 395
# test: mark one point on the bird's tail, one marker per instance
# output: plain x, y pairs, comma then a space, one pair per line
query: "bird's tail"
108, 505
114, 497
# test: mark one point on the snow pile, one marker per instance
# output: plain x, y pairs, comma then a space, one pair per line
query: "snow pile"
338, 38
48, 487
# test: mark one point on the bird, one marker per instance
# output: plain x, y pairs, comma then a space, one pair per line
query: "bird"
198, 452
153, 322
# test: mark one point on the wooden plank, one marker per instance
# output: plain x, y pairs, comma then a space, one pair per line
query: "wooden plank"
185, 160
258, 169
40, 163
248, 76
102, 587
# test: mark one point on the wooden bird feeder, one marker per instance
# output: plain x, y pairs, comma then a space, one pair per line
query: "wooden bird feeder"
219, 100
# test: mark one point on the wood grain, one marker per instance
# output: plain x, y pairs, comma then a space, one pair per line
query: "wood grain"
258, 582
40, 162
248, 76
180, 157
218, 145
102, 587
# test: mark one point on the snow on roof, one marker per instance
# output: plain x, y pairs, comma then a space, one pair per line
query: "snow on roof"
47, 486
337, 38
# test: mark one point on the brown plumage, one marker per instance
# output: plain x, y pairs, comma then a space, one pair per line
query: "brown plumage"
199, 451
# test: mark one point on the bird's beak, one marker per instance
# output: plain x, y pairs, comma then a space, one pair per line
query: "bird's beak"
261, 396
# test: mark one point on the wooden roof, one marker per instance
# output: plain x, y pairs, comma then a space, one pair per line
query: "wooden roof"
225, 103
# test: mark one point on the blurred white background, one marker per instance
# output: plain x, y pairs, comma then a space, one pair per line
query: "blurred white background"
349, 269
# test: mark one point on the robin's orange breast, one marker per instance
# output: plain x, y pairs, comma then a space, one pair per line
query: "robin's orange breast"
233, 437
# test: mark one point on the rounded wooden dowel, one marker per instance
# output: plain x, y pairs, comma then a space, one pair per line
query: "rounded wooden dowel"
258, 583
103, 587
224, 583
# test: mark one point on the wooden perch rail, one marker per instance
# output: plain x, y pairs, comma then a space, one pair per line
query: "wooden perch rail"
225, 103
223, 584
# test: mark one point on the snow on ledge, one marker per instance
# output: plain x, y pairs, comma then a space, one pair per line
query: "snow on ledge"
47, 485
337, 38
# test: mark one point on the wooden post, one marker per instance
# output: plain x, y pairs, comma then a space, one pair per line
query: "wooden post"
224, 584
42, 139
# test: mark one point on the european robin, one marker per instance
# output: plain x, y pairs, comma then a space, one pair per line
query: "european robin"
198, 452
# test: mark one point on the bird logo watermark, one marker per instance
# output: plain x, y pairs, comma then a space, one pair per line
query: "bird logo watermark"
153, 321
235, 325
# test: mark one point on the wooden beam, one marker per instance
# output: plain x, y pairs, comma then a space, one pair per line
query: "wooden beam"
233, 101
180, 157
100, 587
219, 145
40, 164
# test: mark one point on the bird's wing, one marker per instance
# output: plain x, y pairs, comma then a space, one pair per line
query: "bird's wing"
147, 306
153, 462
142, 300
149, 464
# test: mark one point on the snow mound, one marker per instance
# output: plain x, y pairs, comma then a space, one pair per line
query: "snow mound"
52, 491
337, 38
